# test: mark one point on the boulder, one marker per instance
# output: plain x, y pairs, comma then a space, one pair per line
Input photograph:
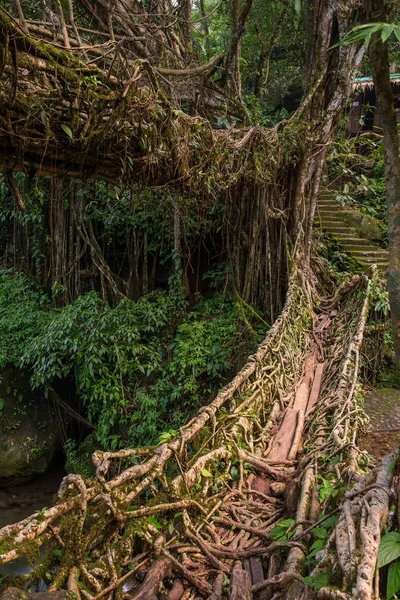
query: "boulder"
28, 437
364, 225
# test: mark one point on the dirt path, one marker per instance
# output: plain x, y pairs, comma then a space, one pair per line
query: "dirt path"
383, 408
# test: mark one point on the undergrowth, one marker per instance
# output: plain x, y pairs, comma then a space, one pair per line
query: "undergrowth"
140, 368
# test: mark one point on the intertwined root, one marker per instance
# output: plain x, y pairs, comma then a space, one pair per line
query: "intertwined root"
194, 516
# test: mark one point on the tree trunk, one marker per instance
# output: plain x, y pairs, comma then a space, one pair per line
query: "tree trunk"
379, 59
239, 16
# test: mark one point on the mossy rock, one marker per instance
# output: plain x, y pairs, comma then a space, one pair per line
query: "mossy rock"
364, 225
28, 438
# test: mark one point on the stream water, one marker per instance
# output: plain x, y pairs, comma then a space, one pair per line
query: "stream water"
18, 502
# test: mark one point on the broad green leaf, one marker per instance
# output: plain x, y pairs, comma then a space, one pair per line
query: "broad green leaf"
319, 532
330, 521
297, 6
206, 473
67, 130
393, 581
286, 523
315, 548
317, 544
397, 32
386, 32
277, 533
389, 548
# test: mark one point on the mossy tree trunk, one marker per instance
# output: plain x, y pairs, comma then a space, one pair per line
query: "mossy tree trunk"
379, 59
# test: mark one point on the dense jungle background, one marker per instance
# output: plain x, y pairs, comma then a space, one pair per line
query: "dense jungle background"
161, 168
128, 308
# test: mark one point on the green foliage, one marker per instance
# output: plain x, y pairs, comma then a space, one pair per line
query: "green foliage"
283, 531
356, 171
140, 367
317, 582
389, 548
23, 312
78, 457
393, 580
379, 298
321, 533
332, 253
364, 33
67, 130
389, 554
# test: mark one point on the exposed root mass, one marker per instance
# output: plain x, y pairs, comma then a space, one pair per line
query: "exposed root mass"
198, 516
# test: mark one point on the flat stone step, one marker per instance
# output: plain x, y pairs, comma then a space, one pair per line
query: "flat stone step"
354, 247
328, 217
350, 235
381, 266
367, 255
371, 259
351, 240
334, 228
334, 220
329, 210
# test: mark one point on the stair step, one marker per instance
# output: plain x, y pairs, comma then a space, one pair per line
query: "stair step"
351, 240
382, 266
361, 254
335, 223
337, 228
333, 218
360, 248
328, 217
372, 259
350, 235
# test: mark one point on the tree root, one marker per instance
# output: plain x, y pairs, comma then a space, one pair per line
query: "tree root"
218, 490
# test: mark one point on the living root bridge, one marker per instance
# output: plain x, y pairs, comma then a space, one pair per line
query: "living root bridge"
194, 516
62, 116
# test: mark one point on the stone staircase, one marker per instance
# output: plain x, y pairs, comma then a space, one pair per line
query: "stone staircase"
328, 217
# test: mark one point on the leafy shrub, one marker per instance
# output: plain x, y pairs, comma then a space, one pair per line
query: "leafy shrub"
23, 312
139, 368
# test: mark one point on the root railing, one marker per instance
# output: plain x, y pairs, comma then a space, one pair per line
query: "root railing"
197, 516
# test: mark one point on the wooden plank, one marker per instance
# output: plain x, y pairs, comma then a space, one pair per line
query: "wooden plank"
284, 438
247, 567
316, 386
